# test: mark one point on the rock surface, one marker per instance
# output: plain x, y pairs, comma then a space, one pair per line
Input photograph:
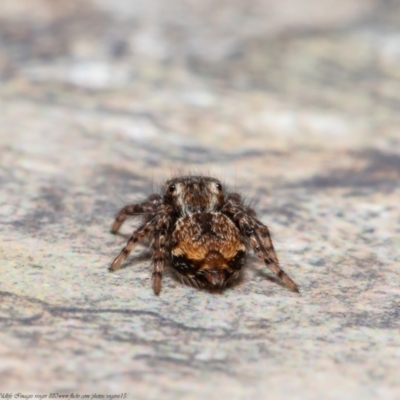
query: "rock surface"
295, 105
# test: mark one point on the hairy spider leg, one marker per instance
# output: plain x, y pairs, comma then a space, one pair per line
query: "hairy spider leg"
162, 222
266, 252
252, 227
148, 206
137, 235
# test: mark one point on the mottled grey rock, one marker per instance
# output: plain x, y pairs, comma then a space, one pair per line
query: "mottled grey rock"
297, 106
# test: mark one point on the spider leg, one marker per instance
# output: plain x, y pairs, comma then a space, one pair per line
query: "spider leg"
253, 229
159, 246
266, 252
137, 235
158, 260
265, 235
146, 207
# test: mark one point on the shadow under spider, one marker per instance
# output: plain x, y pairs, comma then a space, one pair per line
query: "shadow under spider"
270, 278
253, 261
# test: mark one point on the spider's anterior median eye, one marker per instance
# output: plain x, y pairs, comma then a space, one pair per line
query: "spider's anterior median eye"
171, 188
218, 186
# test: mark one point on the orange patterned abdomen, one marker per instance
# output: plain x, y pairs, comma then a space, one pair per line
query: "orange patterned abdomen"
207, 249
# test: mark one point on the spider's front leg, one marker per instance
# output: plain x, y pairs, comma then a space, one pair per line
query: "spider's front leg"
146, 207
258, 236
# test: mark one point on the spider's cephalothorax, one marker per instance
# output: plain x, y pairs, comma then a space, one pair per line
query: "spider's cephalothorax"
204, 231
194, 194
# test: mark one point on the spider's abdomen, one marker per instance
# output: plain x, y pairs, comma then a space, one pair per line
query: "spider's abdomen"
207, 249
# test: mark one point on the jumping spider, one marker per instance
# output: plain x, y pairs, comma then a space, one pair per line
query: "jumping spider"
204, 232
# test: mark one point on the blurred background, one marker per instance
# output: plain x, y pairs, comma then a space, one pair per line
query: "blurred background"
298, 70
210, 80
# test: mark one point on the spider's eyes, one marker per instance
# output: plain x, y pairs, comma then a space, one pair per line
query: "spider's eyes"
218, 186
171, 188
